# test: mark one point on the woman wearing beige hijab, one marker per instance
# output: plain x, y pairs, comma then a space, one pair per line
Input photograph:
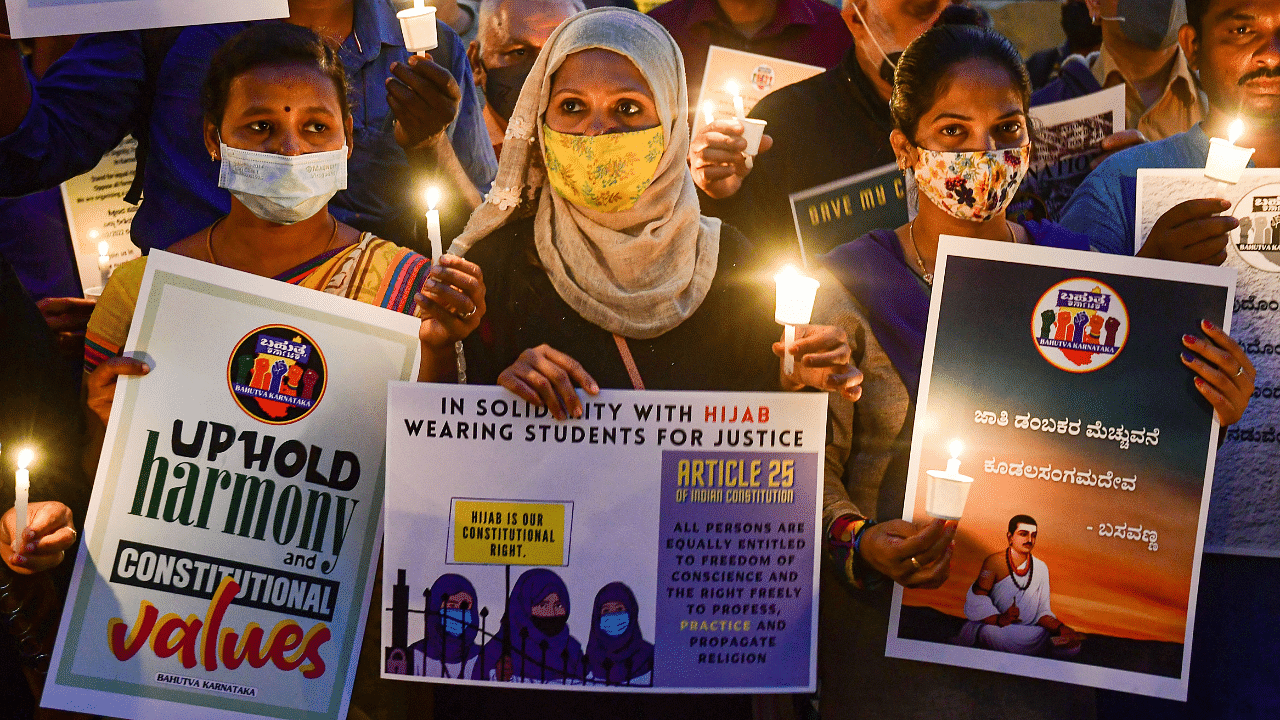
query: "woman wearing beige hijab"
600, 269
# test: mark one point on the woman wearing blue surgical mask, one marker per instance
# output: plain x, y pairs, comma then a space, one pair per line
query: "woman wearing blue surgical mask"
959, 108
601, 270
617, 653
448, 647
278, 122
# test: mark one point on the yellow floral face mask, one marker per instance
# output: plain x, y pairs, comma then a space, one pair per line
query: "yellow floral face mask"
604, 172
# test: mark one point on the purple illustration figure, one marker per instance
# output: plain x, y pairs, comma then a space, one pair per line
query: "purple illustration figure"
1112, 326
1064, 325
1080, 319
309, 380
277, 375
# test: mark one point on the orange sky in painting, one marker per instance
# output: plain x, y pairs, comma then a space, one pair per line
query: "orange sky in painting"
1100, 585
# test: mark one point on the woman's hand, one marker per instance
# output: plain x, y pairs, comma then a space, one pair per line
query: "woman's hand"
822, 361
718, 159
1224, 374
451, 305
545, 377
890, 547
100, 385
49, 534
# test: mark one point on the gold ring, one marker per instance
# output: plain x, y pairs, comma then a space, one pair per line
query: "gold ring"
1240, 371
915, 563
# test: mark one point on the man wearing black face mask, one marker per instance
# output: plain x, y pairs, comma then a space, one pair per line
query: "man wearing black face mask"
825, 128
1140, 51
510, 36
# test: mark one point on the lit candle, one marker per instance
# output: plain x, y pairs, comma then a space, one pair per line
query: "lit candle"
708, 112
433, 223
731, 87
22, 485
1227, 161
947, 491
418, 26
104, 261
794, 306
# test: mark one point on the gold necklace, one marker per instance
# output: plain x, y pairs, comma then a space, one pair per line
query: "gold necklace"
925, 274
208, 238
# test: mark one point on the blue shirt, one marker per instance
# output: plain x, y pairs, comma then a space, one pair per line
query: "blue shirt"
1104, 205
86, 104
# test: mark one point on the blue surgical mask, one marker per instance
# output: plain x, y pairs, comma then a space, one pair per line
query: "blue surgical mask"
283, 189
614, 624
456, 620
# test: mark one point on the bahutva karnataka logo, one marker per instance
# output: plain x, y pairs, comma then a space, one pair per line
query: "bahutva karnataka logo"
1080, 325
277, 374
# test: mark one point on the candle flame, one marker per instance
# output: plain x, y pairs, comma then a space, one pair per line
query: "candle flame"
104, 248
731, 87
433, 197
25, 456
1235, 130
93, 234
708, 111
787, 271
956, 447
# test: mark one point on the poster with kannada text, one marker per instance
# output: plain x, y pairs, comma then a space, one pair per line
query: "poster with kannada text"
1058, 423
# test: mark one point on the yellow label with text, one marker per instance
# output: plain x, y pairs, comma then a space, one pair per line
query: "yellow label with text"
494, 532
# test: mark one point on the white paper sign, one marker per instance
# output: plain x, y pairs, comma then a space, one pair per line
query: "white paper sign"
230, 544
97, 213
1242, 515
676, 530
1067, 141
756, 76
42, 18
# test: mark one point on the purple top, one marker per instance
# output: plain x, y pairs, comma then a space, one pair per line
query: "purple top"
874, 270
806, 31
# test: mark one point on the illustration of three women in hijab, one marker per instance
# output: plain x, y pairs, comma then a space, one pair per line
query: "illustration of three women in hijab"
533, 643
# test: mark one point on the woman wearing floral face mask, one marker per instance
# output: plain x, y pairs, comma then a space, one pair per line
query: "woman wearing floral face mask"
601, 271
278, 120
959, 108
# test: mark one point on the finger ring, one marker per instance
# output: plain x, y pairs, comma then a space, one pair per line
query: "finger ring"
915, 563
469, 313
1240, 371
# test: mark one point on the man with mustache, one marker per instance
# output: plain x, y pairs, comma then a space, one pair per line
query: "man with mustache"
1234, 45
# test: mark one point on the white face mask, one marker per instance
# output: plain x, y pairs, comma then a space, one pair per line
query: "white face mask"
283, 189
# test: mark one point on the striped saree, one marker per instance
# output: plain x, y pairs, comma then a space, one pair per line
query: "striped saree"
371, 271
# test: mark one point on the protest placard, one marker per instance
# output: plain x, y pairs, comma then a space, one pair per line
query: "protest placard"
97, 213
1067, 140
837, 212
755, 75
1242, 514
663, 542
230, 543
1052, 380
43, 18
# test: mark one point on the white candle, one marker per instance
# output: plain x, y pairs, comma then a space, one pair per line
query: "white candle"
104, 261
948, 490
708, 112
731, 87
1226, 161
418, 26
22, 485
794, 306
433, 223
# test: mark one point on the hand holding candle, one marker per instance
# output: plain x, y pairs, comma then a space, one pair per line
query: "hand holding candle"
418, 26
947, 490
794, 306
433, 224
22, 488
